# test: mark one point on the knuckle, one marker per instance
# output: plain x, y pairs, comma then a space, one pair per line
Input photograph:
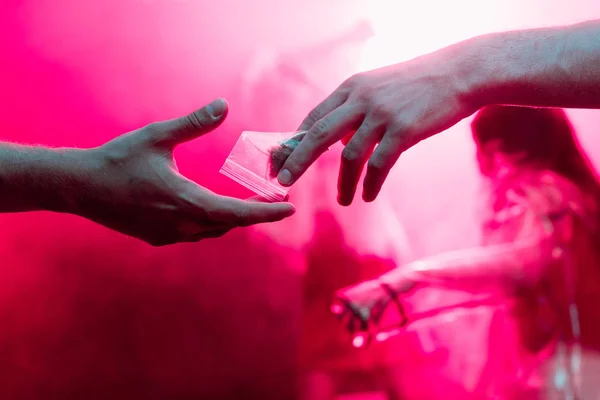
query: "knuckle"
153, 128
399, 127
350, 155
382, 112
348, 84
153, 133
402, 122
314, 116
359, 83
196, 120
319, 130
402, 137
353, 82
377, 163
364, 96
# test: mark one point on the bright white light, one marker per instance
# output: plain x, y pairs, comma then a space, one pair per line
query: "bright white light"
404, 30
359, 341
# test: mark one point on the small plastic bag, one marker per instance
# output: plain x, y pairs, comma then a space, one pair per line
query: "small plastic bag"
251, 162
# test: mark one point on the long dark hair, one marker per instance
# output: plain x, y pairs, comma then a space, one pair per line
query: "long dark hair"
545, 141
544, 138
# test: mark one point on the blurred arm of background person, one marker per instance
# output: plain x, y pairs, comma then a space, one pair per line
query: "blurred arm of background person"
130, 184
381, 113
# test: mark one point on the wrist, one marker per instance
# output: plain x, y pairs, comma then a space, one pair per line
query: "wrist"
71, 177
35, 178
472, 79
515, 68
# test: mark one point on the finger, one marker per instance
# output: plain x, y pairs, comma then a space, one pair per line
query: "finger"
354, 156
333, 101
360, 317
261, 199
381, 162
378, 310
237, 213
350, 308
191, 126
318, 139
258, 199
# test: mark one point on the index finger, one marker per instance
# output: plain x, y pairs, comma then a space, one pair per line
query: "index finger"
238, 213
323, 134
333, 101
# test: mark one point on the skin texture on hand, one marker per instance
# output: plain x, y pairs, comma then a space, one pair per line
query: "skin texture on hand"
132, 185
378, 115
381, 113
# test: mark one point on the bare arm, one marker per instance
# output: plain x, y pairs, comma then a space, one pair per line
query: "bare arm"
491, 270
482, 269
551, 67
507, 266
131, 184
541, 227
37, 178
400, 105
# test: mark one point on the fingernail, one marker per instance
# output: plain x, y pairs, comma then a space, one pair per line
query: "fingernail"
284, 177
216, 108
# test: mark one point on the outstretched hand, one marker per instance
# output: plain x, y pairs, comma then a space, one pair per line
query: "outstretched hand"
364, 306
134, 186
378, 115
361, 305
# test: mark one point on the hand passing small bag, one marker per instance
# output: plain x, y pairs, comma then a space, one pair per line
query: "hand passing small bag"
256, 159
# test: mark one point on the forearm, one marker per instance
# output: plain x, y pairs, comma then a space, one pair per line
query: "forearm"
483, 269
550, 67
37, 178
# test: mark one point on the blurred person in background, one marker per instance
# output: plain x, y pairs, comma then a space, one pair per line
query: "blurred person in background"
537, 269
344, 249
335, 246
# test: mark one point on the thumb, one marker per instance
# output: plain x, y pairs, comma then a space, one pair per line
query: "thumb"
261, 199
194, 125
